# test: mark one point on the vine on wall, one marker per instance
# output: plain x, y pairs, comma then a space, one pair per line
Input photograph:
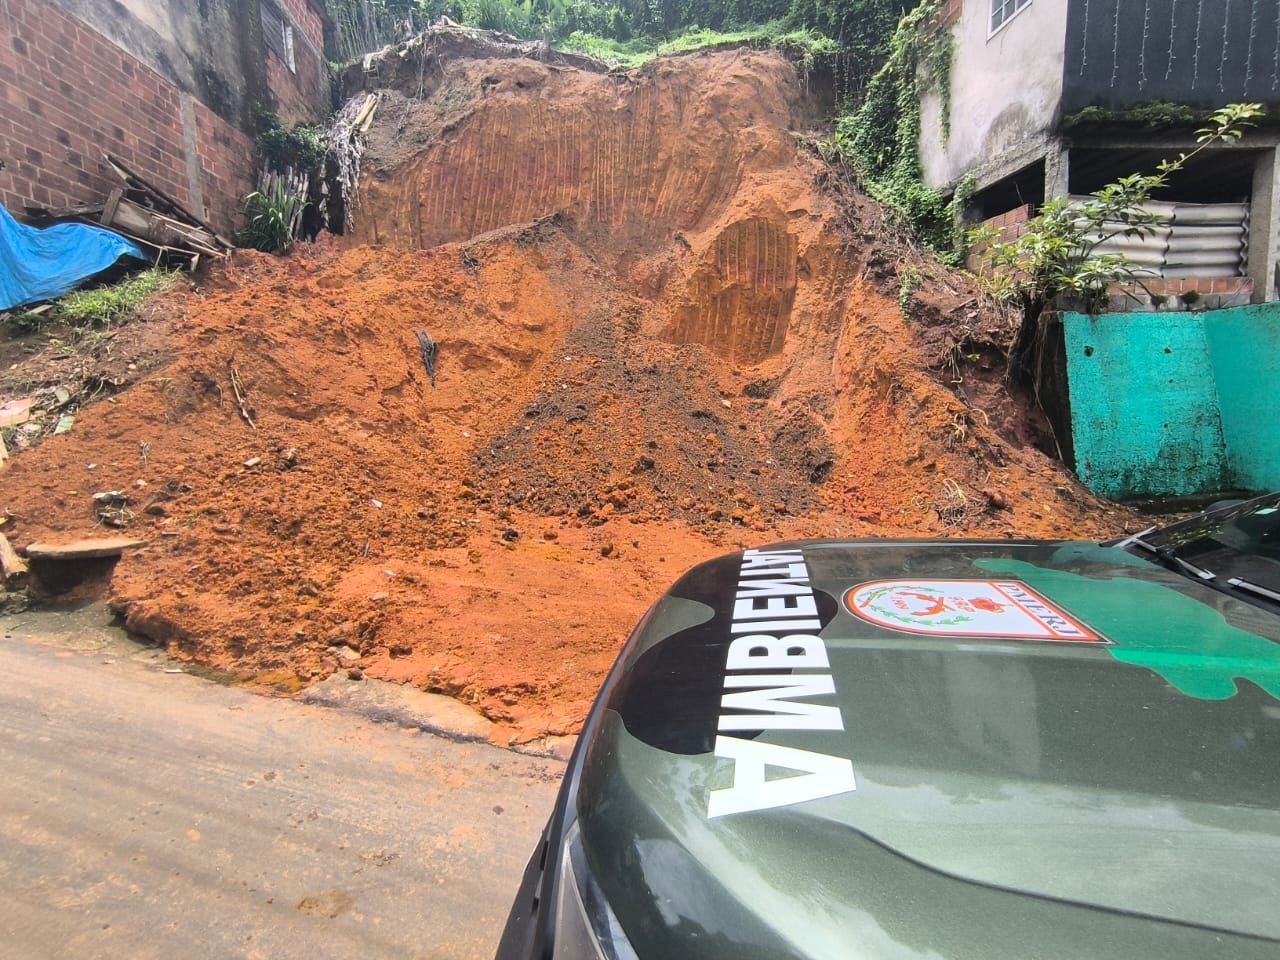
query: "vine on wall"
881, 139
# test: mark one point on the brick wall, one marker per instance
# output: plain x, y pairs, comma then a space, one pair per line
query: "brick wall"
69, 95
1007, 227
949, 12
229, 167
302, 94
1174, 294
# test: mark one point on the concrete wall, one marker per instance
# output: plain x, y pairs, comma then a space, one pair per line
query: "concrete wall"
1175, 405
1183, 51
1005, 94
153, 83
172, 39
1245, 348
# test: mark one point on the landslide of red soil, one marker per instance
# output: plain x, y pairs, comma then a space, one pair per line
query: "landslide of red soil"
662, 332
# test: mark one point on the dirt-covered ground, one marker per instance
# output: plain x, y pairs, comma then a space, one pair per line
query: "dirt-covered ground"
665, 330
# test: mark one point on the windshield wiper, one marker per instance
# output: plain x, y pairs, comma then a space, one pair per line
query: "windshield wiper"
1254, 588
1167, 555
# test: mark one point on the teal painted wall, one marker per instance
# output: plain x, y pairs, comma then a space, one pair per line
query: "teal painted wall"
1175, 404
1244, 345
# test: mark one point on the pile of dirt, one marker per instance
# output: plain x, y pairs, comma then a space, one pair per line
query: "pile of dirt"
662, 333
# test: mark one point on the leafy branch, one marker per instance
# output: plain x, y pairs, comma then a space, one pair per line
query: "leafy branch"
1062, 251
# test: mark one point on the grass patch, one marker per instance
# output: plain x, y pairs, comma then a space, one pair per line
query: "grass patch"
103, 306
631, 54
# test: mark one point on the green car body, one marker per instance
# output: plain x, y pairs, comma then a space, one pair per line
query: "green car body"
952, 750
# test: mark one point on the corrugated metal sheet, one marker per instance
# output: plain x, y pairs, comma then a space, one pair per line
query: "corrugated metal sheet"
1187, 240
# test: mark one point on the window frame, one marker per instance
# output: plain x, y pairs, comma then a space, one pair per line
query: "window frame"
278, 41
1018, 7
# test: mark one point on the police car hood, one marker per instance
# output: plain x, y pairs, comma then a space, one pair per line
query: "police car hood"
945, 747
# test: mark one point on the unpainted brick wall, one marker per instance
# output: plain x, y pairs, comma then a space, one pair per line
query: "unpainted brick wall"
301, 94
1007, 227
70, 95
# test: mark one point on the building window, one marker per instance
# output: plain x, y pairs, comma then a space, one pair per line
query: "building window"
1002, 11
278, 34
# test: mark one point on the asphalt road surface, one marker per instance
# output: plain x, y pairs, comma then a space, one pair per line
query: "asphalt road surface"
147, 813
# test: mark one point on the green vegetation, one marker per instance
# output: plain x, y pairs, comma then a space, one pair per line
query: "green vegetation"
302, 148
1154, 115
880, 139
292, 161
909, 281
357, 27
854, 33
275, 213
102, 306
89, 309
634, 53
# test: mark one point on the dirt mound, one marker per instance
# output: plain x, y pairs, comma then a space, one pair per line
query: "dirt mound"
660, 336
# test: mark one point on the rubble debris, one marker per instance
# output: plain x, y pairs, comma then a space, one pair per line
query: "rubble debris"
160, 232
149, 217
15, 412
238, 389
347, 139
165, 204
112, 508
258, 578
430, 352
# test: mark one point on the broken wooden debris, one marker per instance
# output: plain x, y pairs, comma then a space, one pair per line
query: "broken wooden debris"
162, 202
12, 566
148, 216
364, 119
85, 549
142, 223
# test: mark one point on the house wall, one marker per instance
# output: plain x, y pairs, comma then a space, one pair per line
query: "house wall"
303, 94
140, 80
1245, 347
1120, 53
1005, 91
1174, 405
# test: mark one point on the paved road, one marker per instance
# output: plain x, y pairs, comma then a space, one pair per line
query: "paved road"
145, 813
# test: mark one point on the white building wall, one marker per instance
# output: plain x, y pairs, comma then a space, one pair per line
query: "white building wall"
1005, 90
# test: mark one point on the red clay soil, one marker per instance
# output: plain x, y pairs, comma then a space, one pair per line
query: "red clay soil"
663, 334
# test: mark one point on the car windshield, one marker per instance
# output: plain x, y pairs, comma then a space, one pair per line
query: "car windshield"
1233, 548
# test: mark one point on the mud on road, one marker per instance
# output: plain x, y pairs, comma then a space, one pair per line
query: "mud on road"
665, 330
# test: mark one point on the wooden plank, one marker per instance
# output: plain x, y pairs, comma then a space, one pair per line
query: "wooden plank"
131, 178
62, 213
131, 218
109, 208
144, 223
13, 567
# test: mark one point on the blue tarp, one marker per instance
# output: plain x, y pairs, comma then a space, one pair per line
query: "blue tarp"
42, 264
